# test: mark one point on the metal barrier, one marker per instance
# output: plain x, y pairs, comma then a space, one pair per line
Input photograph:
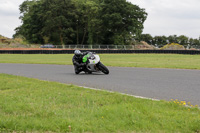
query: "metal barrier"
114, 47
192, 52
99, 47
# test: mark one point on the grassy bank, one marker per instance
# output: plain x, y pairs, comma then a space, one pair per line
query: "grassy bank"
37, 106
176, 61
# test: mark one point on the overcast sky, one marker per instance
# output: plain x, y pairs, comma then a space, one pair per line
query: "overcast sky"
165, 17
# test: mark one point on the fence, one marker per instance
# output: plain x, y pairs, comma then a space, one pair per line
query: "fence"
120, 47
99, 47
100, 51
116, 47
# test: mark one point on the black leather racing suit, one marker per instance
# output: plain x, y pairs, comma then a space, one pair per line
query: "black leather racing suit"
78, 63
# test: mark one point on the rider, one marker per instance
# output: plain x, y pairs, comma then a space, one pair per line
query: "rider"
77, 61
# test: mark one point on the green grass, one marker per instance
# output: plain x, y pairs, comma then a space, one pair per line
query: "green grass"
31, 105
176, 61
61, 59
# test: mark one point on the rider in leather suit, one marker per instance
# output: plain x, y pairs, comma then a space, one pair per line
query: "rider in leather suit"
77, 61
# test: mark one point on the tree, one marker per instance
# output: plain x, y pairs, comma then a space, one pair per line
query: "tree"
60, 19
147, 38
32, 22
80, 21
121, 20
172, 39
88, 21
183, 40
160, 40
196, 43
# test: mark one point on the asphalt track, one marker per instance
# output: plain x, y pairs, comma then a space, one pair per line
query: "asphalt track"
163, 84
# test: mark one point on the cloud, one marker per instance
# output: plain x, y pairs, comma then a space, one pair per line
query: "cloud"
165, 17
169, 17
9, 15
8, 8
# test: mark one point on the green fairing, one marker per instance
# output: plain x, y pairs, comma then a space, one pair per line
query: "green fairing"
85, 58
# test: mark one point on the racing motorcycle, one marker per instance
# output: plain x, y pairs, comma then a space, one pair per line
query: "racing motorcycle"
93, 63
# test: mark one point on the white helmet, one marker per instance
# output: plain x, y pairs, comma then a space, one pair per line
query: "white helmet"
77, 52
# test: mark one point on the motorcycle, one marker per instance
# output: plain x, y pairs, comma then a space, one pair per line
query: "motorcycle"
93, 63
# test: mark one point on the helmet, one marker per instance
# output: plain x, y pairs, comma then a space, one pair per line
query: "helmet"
77, 52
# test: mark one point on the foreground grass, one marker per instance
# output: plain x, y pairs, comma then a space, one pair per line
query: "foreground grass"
31, 105
176, 61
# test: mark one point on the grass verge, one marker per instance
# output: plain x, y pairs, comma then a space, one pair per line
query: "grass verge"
31, 105
176, 61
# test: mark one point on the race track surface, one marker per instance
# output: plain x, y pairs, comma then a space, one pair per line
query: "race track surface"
163, 84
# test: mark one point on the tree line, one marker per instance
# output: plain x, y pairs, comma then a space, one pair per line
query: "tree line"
80, 21
88, 22
163, 40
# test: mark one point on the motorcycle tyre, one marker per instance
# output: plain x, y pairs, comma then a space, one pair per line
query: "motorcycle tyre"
103, 68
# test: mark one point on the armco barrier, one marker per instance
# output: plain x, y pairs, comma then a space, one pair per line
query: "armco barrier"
100, 51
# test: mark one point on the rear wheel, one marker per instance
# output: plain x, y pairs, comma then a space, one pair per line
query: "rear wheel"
103, 68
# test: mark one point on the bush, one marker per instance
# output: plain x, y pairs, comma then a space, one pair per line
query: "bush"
173, 46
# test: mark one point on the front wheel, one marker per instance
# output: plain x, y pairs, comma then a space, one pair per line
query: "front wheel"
103, 68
